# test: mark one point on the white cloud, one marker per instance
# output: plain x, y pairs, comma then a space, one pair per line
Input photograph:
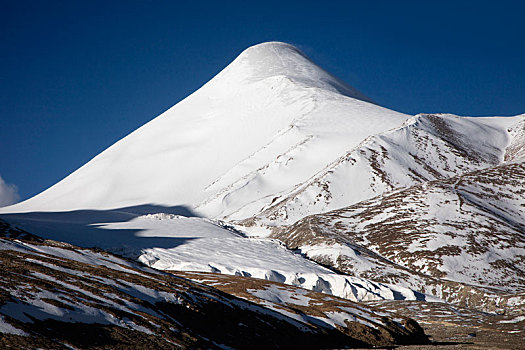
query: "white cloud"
8, 193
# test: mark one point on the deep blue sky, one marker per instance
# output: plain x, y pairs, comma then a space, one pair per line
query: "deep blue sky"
76, 76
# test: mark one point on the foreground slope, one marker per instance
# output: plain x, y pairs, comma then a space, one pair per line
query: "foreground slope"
449, 326
173, 242
54, 295
266, 123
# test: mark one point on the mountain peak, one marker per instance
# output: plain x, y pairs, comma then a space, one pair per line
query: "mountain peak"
272, 45
274, 58
275, 51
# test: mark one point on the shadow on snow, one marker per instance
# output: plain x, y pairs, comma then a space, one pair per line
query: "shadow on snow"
84, 228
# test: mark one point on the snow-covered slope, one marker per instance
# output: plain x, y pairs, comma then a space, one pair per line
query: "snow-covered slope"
265, 124
427, 147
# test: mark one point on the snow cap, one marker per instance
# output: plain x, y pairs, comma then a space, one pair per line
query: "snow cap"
274, 58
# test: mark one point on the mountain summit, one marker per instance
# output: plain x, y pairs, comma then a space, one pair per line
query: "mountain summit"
265, 124
273, 59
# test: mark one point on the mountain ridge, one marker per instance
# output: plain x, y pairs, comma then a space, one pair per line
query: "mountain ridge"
426, 147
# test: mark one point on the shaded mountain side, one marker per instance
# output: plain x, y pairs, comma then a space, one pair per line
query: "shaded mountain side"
462, 236
306, 304
55, 295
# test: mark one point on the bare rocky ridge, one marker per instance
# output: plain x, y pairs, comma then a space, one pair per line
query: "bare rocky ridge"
55, 295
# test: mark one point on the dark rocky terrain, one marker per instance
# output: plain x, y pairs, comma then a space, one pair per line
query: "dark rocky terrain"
448, 326
451, 327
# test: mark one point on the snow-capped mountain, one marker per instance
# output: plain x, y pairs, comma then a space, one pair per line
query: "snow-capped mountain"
268, 122
371, 204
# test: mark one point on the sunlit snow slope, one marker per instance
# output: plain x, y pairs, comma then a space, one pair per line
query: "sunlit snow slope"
268, 122
426, 148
